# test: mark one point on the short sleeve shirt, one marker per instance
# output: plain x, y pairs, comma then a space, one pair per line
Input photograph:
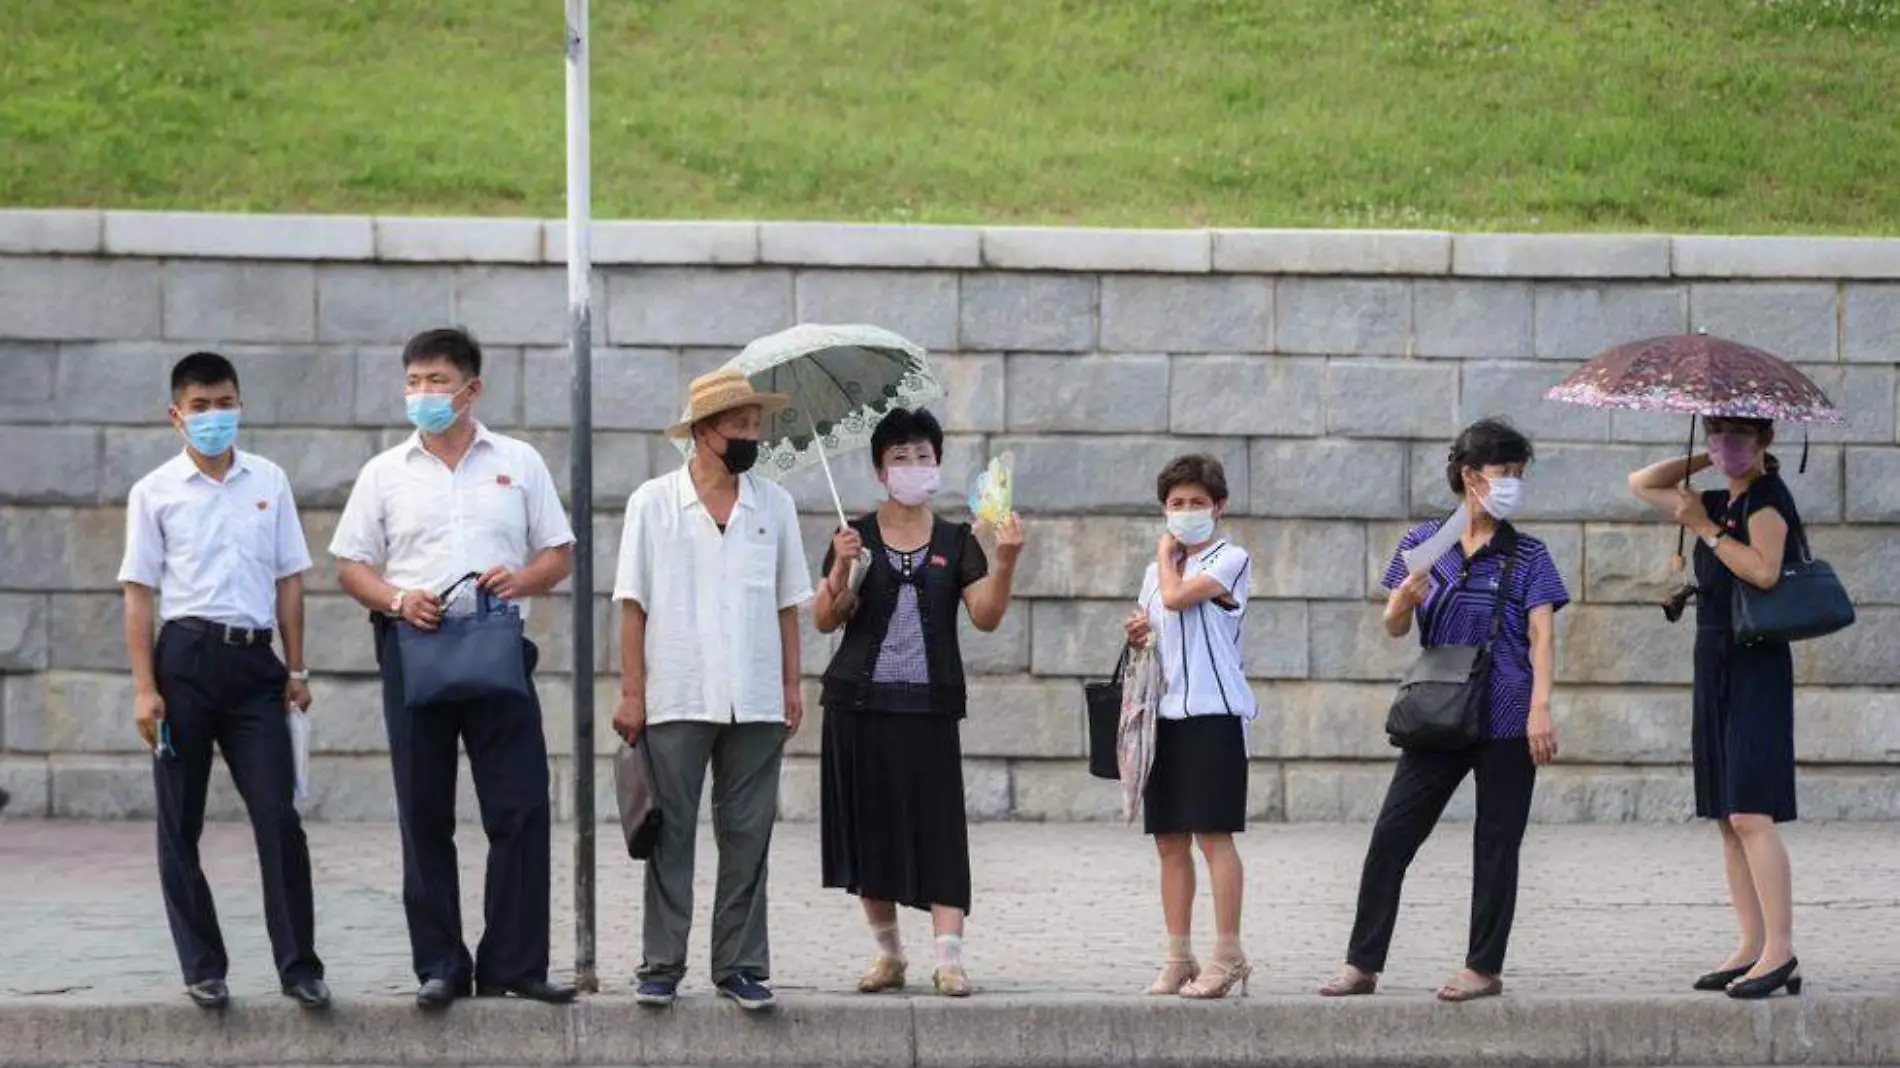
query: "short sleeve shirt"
902, 658
1458, 611
214, 549
1712, 575
1199, 647
712, 599
425, 525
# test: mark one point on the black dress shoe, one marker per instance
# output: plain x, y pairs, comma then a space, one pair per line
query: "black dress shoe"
209, 994
530, 990
310, 993
1788, 975
1719, 980
435, 995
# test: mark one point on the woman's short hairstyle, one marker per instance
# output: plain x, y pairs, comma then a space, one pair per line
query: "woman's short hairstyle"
1483, 444
905, 427
1198, 469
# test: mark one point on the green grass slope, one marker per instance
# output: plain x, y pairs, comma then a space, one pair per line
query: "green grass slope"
1683, 115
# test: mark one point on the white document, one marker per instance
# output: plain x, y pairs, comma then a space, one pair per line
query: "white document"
1422, 556
300, 751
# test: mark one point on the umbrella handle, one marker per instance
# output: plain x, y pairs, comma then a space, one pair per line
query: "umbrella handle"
824, 462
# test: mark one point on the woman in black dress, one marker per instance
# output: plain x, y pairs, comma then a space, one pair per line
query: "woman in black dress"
1743, 735
891, 813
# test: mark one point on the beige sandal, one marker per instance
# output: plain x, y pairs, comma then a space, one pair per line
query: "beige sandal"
1456, 990
885, 973
1175, 975
952, 981
1349, 983
1219, 980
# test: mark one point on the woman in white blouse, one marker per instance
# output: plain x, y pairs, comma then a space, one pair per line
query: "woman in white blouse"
1193, 600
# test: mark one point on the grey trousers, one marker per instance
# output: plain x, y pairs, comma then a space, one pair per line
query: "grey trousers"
745, 761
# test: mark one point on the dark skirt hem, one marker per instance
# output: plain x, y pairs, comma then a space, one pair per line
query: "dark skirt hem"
1198, 782
892, 820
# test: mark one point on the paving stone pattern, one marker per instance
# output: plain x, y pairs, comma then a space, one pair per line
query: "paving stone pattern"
1327, 371
1057, 908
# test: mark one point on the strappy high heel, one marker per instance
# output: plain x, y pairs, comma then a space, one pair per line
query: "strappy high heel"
1175, 975
1219, 980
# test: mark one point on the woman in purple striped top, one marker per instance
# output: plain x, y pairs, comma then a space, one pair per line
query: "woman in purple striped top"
1452, 602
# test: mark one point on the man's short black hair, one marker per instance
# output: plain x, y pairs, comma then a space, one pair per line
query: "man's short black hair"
202, 369
905, 427
1482, 444
446, 343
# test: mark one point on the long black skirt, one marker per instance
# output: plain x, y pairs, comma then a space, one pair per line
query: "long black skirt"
892, 822
1198, 781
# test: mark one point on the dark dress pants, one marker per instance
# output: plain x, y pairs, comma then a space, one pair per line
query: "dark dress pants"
231, 697
508, 757
1422, 784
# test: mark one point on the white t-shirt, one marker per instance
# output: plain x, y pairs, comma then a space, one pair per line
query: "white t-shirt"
1200, 647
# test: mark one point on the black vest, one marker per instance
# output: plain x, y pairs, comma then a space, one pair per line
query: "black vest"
847, 682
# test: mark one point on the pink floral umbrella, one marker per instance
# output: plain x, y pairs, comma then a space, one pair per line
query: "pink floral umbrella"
1699, 375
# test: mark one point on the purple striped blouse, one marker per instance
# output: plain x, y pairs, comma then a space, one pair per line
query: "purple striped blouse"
1457, 611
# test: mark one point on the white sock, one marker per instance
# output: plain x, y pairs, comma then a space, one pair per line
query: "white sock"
949, 951
888, 943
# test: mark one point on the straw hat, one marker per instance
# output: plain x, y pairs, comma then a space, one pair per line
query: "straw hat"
721, 391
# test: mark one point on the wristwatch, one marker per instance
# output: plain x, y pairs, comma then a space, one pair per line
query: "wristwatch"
1711, 540
395, 603
302, 675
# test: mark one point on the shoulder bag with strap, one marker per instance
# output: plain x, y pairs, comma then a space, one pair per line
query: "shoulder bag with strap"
1808, 601
1443, 700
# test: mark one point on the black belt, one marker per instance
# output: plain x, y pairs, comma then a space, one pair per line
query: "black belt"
225, 633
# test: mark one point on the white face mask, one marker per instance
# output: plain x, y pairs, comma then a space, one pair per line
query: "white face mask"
1192, 528
1505, 497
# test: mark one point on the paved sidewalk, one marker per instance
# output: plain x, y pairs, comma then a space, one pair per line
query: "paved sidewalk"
1060, 908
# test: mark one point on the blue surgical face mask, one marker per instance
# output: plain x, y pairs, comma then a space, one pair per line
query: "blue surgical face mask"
1192, 528
211, 433
432, 413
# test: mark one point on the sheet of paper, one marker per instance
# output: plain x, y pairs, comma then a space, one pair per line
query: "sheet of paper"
1422, 556
300, 752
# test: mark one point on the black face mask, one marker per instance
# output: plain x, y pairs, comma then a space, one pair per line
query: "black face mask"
741, 454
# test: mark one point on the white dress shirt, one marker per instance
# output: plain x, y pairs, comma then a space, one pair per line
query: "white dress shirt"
214, 550
426, 525
712, 601
1200, 647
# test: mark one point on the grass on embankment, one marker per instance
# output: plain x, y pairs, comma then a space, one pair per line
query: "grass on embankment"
1709, 115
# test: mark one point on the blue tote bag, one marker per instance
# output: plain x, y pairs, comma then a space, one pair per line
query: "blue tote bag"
477, 657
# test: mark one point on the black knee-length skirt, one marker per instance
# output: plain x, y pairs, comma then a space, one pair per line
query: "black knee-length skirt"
1198, 782
1743, 734
892, 821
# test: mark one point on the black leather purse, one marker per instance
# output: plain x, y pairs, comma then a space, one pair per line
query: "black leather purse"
1808, 601
1442, 702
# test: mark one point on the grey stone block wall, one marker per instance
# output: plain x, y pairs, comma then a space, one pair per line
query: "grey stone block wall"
1326, 370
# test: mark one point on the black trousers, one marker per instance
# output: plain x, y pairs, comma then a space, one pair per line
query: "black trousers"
508, 757
1421, 786
230, 696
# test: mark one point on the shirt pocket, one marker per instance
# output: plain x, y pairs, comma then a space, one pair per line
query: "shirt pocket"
501, 509
759, 570
254, 528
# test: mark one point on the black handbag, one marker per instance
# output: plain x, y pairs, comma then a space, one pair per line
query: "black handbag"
1104, 700
1443, 699
633, 789
1808, 601
476, 657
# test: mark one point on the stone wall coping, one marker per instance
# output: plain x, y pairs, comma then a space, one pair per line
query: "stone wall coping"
1414, 253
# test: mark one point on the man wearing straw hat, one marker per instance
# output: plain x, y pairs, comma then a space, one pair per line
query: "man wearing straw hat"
711, 573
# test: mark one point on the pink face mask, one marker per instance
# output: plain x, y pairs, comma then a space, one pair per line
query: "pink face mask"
1734, 454
912, 486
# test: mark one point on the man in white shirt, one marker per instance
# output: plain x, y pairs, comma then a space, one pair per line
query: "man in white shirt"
457, 499
214, 533
711, 573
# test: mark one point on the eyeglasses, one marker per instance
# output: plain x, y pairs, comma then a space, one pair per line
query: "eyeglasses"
164, 750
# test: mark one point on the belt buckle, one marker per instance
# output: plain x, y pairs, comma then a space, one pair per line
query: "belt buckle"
236, 635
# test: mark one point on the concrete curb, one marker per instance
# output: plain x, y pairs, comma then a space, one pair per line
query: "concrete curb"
1031, 1031
394, 239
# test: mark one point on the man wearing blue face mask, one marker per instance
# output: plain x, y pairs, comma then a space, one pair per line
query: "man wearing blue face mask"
213, 533
457, 499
